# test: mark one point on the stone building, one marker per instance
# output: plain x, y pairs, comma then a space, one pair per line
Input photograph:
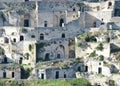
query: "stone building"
10, 71
58, 69
42, 34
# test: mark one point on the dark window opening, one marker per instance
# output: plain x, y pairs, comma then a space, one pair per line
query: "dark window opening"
5, 59
83, 9
3, 18
110, 4
4, 74
32, 36
14, 40
47, 57
79, 68
58, 56
12, 74
26, 23
117, 12
6, 40
21, 38
99, 70
42, 76
108, 39
63, 35
26, 0
20, 60
102, 23
94, 24
80, 9
73, 9
64, 75
61, 22
86, 68
45, 23
41, 36
57, 75
102, 19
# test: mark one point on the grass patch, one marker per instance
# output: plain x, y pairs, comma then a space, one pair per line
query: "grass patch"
73, 82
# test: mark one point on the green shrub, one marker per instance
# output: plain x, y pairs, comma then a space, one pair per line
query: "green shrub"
23, 30
1, 51
100, 47
27, 55
93, 54
79, 82
112, 83
101, 57
72, 82
30, 47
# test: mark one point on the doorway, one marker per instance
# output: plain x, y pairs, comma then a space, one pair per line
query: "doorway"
42, 76
26, 23
4, 74
86, 68
99, 70
61, 22
20, 60
58, 56
47, 57
57, 75
5, 59
21, 38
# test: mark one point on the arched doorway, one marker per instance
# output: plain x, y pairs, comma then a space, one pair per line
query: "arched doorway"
61, 22
41, 36
74, 9
47, 57
58, 56
60, 52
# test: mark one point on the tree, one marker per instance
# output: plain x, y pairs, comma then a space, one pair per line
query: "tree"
93, 54
1, 51
23, 30
27, 55
100, 47
112, 83
101, 57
